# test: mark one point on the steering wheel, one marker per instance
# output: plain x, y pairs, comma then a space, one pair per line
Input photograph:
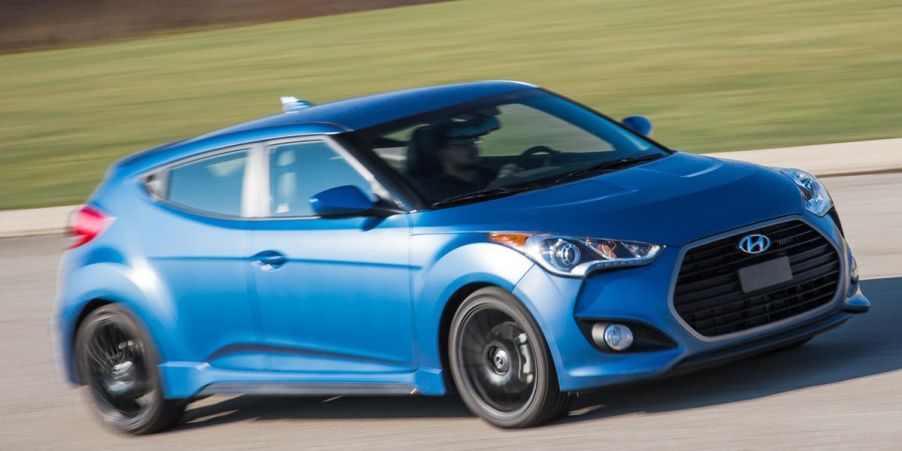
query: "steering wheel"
527, 156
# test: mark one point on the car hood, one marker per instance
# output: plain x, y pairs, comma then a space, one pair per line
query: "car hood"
673, 201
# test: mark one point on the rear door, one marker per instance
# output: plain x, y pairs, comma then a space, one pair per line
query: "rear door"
333, 293
197, 240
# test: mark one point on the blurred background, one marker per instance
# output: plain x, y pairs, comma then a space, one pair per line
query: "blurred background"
85, 82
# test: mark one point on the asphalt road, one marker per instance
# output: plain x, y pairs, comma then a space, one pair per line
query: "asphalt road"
843, 390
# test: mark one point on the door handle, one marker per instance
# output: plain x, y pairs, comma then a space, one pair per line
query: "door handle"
269, 260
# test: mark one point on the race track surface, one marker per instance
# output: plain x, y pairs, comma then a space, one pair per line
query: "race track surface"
843, 390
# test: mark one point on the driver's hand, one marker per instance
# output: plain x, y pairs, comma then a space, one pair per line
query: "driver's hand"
508, 169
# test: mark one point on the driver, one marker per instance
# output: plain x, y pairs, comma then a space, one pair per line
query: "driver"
459, 157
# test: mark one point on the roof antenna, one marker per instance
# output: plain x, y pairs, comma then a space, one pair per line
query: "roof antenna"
292, 103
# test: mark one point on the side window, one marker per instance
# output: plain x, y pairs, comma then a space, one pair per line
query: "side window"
297, 171
211, 185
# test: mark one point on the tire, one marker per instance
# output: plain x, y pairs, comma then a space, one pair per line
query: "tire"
116, 359
500, 362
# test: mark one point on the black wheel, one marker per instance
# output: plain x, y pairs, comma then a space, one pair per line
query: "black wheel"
117, 361
500, 362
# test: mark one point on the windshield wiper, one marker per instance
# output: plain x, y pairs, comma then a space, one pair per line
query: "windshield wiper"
606, 166
488, 193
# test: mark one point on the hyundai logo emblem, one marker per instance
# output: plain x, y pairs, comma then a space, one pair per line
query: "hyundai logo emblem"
754, 243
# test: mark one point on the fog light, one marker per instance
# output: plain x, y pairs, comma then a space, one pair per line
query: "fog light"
616, 336
853, 270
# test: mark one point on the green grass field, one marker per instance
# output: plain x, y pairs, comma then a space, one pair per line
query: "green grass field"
712, 75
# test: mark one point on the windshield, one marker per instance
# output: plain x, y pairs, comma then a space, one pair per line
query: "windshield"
511, 143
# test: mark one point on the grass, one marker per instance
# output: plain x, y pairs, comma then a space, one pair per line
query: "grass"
712, 75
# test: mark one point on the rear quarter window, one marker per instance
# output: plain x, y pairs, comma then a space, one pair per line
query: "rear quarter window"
210, 185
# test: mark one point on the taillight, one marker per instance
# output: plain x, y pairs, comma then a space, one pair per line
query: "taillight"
86, 224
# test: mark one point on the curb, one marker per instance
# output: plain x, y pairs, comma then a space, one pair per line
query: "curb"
829, 160
824, 160
35, 221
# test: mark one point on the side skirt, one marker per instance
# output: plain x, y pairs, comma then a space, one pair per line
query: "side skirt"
308, 389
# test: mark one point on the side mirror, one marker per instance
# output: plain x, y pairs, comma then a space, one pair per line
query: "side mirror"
344, 200
638, 124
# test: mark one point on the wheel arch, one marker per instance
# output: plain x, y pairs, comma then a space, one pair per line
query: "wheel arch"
82, 296
451, 267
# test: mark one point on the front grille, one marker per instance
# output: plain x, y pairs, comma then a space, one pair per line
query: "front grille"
708, 295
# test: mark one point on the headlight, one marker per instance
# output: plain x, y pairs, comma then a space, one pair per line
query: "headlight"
814, 194
576, 257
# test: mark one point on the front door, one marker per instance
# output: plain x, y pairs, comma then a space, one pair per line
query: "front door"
333, 293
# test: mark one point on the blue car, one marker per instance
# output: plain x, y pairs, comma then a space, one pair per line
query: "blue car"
492, 239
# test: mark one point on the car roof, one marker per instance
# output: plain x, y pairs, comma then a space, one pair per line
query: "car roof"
334, 117
366, 111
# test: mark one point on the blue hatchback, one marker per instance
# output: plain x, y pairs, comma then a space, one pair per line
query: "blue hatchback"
492, 237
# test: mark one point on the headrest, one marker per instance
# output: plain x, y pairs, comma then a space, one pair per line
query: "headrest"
422, 158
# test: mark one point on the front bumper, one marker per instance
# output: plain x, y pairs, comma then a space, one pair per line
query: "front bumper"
643, 295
